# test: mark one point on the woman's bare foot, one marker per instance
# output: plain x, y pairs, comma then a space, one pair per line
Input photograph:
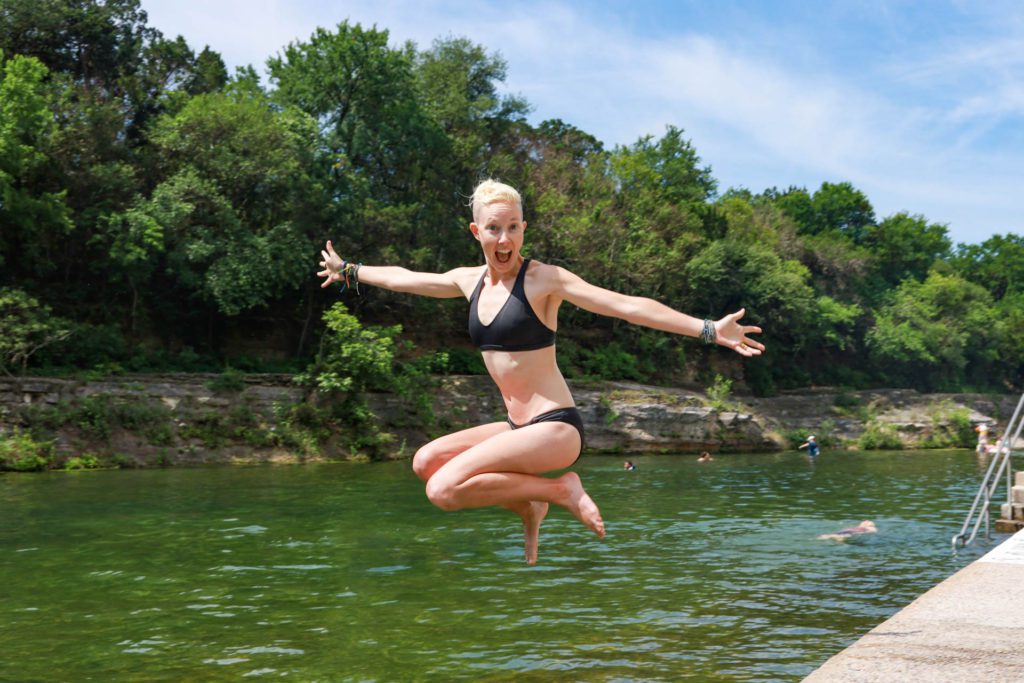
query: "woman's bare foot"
581, 505
531, 528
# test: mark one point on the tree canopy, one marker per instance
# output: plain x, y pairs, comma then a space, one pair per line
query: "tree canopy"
170, 215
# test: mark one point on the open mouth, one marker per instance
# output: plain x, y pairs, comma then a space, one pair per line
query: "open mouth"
503, 256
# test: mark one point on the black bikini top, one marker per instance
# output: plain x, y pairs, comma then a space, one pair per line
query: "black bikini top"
515, 328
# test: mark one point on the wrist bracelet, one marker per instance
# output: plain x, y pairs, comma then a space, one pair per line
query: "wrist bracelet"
349, 270
709, 335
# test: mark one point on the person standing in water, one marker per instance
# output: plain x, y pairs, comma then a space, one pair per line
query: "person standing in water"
513, 319
811, 445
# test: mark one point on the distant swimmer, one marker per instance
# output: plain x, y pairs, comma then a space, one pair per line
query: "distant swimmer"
705, 457
865, 527
811, 445
629, 465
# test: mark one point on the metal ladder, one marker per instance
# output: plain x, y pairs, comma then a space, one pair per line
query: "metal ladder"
1000, 464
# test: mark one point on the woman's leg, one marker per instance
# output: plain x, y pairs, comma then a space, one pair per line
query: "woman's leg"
432, 456
503, 469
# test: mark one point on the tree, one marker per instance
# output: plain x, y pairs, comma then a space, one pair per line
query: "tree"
842, 208
729, 274
935, 334
26, 326
96, 43
997, 264
33, 212
662, 191
457, 82
905, 246
835, 207
231, 210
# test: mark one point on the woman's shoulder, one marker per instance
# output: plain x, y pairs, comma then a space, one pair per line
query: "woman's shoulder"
465, 278
541, 269
546, 278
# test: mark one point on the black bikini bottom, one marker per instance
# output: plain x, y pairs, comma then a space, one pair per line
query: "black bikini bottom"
570, 416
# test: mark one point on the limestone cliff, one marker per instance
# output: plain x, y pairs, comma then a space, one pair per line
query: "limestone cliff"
188, 421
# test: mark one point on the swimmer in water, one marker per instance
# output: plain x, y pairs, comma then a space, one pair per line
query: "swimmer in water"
513, 318
865, 527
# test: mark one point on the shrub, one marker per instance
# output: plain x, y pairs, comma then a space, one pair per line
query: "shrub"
86, 461
28, 326
951, 427
611, 362
230, 381
846, 400
458, 362
718, 393
21, 453
878, 436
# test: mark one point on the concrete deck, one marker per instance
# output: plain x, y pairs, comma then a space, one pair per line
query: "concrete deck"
970, 627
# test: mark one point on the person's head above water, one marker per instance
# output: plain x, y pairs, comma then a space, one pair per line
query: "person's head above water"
492, 192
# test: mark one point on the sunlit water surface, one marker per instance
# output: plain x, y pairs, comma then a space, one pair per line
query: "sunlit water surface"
710, 572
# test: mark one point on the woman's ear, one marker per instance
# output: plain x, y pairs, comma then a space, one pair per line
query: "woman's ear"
475, 229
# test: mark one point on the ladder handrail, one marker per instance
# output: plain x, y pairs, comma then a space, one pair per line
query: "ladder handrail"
1001, 461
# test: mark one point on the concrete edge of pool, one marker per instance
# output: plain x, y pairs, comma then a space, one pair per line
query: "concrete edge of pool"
970, 627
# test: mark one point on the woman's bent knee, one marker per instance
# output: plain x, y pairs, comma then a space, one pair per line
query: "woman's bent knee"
427, 461
442, 494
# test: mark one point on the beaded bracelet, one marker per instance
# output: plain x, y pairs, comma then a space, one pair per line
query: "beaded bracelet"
709, 335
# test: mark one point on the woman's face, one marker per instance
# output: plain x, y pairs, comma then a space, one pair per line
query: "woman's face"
499, 230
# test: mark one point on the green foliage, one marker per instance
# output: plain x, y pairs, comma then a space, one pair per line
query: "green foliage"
22, 453
846, 401
718, 393
96, 417
879, 436
167, 212
997, 264
26, 326
86, 461
837, 322
951, 428
836, 207
32, 210
230, 381
355, 359
227, 214
458, 362
929, 332
611, 362
905, 246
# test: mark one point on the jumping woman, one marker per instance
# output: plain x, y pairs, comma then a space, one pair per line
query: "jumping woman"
513, 318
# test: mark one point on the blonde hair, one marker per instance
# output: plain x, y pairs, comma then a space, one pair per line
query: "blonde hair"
490, 192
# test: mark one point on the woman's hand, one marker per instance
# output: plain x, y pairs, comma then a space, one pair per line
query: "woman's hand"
734, 336
332, 265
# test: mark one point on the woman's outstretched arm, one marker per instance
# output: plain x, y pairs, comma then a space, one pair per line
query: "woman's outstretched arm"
650, 313
395, 278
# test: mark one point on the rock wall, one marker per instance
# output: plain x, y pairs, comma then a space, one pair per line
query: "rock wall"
620, 417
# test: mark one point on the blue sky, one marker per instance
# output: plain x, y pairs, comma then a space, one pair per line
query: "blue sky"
919, 104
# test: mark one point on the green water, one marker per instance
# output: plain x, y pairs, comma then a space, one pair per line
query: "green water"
710, 572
